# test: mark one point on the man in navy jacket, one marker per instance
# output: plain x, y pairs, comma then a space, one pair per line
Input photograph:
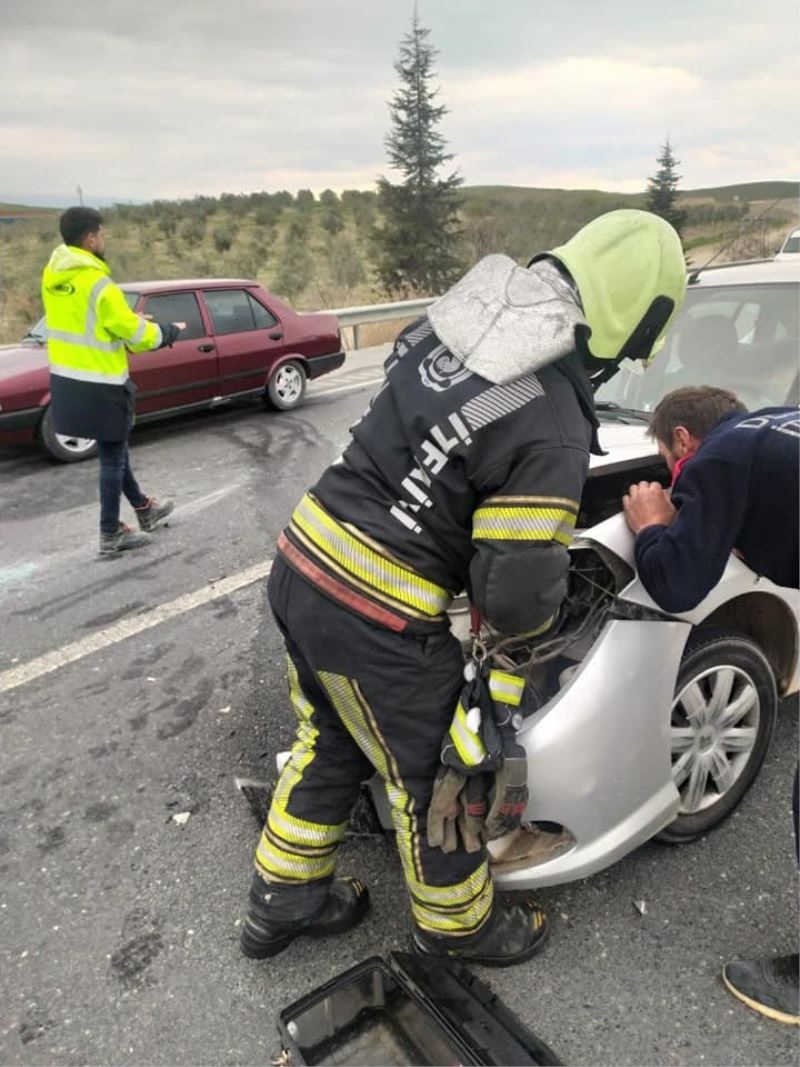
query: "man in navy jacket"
734, 489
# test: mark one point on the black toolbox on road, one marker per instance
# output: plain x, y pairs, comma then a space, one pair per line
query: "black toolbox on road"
406, 1010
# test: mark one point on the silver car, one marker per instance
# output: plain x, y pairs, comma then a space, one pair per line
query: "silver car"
648, 724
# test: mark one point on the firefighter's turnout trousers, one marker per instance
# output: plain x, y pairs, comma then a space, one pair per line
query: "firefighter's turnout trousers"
366, 699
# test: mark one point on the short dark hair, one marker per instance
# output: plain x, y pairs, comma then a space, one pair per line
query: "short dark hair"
76, 222
697, 407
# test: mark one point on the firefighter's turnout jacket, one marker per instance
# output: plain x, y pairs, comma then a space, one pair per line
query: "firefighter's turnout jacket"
90, 327
466, 471
456, 481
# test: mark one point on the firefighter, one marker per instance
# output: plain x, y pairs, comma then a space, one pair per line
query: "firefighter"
89, 328
466, 472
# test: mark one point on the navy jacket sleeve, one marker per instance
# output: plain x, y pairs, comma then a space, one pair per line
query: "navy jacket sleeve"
681, 563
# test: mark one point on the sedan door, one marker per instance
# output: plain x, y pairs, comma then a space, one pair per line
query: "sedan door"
249, 339
184, 374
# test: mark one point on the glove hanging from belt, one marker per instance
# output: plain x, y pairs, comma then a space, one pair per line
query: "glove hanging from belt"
481, 789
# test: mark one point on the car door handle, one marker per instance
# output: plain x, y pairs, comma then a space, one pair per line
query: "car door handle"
206, 348
276, 335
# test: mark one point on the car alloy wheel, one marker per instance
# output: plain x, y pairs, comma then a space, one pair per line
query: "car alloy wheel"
78, 446
66, 448
721, 722
287, 386
714, 727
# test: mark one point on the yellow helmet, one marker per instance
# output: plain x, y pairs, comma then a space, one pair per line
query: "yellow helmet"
631, 276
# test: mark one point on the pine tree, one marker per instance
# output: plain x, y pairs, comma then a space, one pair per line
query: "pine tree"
662, 188
419, 217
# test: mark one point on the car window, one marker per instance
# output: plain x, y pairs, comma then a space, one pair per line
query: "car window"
131, 299
263, 319
177, 307
743, 338
792, 244
231, 310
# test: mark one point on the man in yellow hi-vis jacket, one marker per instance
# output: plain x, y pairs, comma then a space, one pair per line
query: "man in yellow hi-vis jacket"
466, 473
89, 330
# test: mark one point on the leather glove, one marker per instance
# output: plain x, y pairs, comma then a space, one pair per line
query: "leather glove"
169, 334
458, 806
480, 746
509, 797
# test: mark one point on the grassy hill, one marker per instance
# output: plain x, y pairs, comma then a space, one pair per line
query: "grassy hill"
316, 251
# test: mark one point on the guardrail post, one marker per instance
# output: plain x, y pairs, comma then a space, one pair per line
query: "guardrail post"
355, 335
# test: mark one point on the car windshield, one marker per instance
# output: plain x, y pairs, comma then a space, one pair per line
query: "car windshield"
792, 244
738, 337
37, 333
131, 299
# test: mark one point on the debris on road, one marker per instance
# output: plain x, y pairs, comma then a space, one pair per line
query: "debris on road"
180, 817
641, 906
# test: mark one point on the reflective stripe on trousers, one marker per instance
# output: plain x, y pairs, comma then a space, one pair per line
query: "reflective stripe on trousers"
384, 706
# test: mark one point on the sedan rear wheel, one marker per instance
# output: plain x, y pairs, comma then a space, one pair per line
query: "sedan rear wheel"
721, 722
63, 447
287, 386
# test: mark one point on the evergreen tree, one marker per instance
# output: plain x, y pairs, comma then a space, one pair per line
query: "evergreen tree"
419, 218
662, 188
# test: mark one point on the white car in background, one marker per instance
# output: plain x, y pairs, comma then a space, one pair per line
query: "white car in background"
790, 247
648, 724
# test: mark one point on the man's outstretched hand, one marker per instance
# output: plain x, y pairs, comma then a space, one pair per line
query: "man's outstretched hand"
647, 504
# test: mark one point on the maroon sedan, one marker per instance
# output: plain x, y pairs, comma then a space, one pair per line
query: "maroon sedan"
238, 340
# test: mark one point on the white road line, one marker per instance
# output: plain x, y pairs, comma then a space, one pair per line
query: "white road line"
119, 631
347, 388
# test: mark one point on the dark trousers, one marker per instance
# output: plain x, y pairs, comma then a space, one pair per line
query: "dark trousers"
116, 478
366, 700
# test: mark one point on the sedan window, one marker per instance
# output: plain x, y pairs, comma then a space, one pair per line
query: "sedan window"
177, 307
742, 338
231, 310
263, 319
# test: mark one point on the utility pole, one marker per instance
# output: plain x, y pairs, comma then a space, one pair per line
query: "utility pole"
80, 195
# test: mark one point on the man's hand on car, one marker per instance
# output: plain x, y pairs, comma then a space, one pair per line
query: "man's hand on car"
648, 504
169, 333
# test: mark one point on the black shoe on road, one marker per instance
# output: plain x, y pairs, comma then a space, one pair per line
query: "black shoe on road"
769, 987
122, 541
346, 906
513, 933
153, 513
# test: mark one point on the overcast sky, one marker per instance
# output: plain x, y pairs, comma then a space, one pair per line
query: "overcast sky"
137, 99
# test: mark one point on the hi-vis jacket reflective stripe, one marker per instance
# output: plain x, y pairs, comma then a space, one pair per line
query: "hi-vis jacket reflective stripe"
89, 323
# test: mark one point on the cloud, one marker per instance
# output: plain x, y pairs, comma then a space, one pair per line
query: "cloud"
185, 98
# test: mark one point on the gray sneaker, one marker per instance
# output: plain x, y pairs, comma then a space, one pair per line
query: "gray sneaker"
153, 513
122, 541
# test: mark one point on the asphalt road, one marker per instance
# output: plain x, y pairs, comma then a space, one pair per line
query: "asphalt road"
119, 925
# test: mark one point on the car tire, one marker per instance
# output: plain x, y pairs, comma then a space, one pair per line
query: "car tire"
721, 723
287, 386
61, 447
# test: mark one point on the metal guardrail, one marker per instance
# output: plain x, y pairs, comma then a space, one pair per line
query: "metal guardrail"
353, 317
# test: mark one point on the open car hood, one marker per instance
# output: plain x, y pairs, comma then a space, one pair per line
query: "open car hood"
625, 443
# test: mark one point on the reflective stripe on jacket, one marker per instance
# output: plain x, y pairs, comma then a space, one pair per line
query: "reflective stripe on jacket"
89, 323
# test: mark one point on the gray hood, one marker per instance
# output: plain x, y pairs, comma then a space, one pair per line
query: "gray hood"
503, 321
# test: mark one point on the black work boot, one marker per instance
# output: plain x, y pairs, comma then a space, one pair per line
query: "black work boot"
265, 934
512, 934
153, 512
122, 541
769, 986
